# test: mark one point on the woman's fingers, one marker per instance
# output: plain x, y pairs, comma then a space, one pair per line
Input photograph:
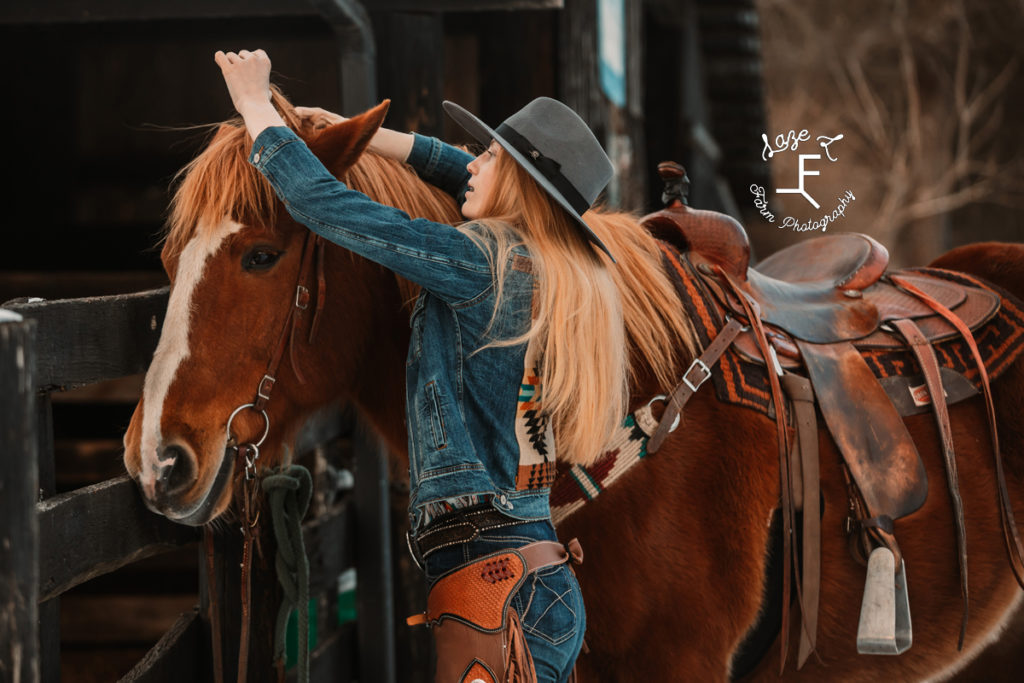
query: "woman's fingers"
319, 117
231, 58
222, 58
247, 76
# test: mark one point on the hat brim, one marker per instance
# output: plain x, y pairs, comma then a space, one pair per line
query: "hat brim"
484, 134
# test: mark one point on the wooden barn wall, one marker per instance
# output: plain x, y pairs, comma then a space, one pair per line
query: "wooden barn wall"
97, 112
102, 112
96, 107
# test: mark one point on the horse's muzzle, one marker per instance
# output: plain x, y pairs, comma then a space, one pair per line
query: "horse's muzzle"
174, 475
176, 478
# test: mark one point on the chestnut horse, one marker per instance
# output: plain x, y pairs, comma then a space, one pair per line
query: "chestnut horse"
676, 550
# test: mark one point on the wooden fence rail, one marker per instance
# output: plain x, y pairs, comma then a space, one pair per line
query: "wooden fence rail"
74, 533
51, 543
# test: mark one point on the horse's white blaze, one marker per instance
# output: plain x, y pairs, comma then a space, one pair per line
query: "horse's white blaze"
173, 348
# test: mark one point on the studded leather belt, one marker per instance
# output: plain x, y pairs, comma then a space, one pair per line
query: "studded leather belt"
456, 527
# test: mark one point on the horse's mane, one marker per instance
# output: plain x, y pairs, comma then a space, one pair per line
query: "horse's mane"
221, 182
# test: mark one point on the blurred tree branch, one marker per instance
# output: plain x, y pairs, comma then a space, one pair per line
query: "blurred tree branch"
919, 92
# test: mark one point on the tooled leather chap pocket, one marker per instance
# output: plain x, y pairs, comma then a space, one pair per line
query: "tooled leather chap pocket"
477, 634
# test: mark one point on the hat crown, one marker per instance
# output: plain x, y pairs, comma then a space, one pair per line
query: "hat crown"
557, 132
554, 145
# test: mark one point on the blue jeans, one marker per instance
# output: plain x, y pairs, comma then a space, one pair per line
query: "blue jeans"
550, 604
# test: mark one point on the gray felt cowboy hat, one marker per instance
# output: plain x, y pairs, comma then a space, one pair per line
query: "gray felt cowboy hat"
556, 148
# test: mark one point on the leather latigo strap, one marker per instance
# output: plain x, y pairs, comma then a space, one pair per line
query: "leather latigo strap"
544, 554
753, 312
925, 355
476, 633
804, 465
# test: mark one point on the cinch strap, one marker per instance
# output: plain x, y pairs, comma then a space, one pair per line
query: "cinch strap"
547, 166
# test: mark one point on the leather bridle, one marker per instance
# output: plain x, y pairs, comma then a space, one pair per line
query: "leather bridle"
312, 256
247, 454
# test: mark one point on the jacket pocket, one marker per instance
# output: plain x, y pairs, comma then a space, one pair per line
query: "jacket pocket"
416, 323
435, 416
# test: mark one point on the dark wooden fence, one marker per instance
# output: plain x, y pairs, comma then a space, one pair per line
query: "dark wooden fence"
51, 543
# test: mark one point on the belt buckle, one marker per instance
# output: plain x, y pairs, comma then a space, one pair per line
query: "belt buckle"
698, 364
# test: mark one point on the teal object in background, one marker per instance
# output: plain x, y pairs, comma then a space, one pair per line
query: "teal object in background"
291, 639
611, 49
346, 612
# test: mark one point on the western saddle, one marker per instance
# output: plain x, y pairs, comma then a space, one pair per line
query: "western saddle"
807, 313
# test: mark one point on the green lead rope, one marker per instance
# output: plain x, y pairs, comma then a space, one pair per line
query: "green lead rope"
289, 489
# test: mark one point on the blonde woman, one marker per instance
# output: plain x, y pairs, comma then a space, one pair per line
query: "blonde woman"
518, 352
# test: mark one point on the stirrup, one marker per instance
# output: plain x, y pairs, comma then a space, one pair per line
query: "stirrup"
885, 612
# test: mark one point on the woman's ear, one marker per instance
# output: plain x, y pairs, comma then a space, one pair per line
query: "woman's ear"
338, 146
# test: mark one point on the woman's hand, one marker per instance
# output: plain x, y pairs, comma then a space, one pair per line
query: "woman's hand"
386, 142
247, 75
316, 118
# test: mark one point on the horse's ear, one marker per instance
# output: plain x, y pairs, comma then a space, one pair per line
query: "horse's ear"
339, 146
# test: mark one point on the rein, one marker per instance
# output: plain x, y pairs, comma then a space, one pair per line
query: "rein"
246, 456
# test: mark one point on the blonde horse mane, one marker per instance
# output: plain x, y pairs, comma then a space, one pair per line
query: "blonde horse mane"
220, 182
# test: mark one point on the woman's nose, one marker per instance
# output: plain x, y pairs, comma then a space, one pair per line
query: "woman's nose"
474, 164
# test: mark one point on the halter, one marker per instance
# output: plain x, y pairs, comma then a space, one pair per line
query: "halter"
250, 451
247, 454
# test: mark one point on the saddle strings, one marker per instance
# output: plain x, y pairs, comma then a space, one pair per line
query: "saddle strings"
1014, 548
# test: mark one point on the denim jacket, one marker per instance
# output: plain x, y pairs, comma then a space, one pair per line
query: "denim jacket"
476, 431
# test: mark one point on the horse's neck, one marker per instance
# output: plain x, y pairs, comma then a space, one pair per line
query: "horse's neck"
379, 390
370, 334
380, 399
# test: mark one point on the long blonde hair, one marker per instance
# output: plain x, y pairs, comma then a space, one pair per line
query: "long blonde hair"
596, 326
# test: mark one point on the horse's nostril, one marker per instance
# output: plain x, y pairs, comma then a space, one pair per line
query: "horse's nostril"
177, 471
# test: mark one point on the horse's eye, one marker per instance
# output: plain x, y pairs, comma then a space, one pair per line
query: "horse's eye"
260, 258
